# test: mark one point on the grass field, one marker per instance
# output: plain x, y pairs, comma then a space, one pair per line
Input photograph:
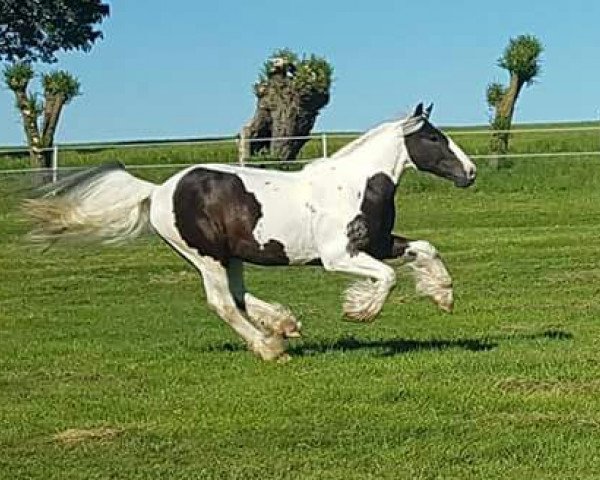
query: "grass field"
111, 365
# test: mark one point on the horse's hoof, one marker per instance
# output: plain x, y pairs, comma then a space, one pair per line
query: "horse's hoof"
284, 358
359, 316
445, 301
270, 348
289, 328
292, 330
363, 301
364, 321
448, 308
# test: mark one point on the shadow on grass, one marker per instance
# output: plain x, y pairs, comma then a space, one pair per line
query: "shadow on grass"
389, 347
397, 346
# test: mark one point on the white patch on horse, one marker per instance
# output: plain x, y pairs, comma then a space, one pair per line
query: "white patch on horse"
468, 165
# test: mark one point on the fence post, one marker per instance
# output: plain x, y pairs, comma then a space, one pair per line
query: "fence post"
324, 144
244, 145
55, 164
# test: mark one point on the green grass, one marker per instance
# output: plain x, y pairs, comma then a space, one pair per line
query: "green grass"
506, 387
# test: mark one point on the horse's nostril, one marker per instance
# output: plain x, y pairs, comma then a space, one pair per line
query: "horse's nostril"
472, 172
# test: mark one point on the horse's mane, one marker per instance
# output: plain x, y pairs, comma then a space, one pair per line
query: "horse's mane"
354, 144
408, 123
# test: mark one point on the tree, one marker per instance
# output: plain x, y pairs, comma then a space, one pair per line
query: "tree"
521, 58
290, 93
35, 30
59, 87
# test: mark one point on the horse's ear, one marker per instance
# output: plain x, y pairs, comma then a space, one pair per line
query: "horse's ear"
428, 110
418, 110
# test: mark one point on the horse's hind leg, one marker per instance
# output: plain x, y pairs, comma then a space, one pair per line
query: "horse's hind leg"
216, 282
220, 299
431, 276
218, 295
270, 317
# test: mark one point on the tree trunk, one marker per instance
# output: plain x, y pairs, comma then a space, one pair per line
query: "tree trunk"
53, 105
504, 113
283, 111
284, 115
30, 126
259, 127
509, 99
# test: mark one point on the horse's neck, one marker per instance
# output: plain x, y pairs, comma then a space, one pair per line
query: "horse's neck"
382, 152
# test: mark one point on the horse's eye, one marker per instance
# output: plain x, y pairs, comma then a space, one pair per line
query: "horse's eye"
434, 138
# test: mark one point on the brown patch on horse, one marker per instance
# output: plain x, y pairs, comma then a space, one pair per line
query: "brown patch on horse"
216, 215
370, 231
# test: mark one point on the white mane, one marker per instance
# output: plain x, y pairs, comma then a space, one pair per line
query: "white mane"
408, 124
405, 126
354, 144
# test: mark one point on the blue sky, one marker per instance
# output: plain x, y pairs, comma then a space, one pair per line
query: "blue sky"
184, 68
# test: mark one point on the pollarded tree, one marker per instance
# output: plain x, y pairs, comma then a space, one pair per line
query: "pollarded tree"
35, 30
521, 58
290, 93
59, 87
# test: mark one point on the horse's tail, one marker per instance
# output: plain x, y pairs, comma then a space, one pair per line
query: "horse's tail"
104, 204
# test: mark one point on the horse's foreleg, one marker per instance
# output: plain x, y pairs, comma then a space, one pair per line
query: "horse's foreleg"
270, 317
431, 276
397, 248
364, 299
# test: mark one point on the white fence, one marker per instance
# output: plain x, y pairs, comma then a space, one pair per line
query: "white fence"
323, 139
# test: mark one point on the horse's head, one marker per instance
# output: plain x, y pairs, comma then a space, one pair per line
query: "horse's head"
432, 151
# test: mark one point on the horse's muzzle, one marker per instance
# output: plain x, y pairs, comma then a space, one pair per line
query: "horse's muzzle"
467, 179
464, 182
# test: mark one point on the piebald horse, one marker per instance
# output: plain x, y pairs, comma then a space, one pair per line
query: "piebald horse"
337, 212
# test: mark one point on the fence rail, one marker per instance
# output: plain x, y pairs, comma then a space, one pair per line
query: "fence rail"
323, 139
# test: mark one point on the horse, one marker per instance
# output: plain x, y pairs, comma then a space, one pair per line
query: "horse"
337, 212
